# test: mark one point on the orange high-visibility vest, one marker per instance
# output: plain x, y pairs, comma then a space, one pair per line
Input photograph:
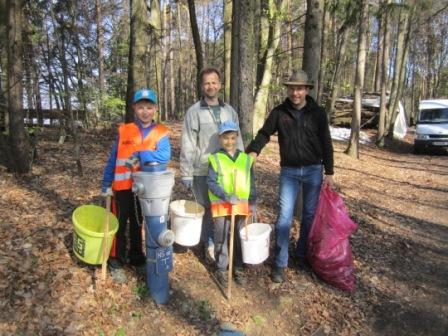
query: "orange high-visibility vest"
130, 142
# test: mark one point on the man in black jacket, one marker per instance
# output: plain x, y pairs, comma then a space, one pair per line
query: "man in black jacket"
306, 151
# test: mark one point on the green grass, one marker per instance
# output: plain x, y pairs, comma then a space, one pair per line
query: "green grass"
140, 291
204, 310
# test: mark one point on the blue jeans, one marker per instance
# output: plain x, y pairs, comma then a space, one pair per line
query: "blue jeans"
291, 180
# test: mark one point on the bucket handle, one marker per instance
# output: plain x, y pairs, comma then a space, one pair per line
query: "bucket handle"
195, 199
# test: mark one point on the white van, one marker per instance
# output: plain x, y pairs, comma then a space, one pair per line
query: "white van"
432, 125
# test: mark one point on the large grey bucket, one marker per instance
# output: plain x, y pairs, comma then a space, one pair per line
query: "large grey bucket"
154, 191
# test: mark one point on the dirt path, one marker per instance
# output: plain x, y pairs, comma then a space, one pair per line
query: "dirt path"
399, 200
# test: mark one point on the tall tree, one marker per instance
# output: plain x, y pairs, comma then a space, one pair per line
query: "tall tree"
137, 50
348, 12
227, 46
172, 89
262, 92
401, 54
353, 147
384, 73
63, 46
312, 42
197, 45
19, 158
379, 48
100, 50
243, 59
181, 94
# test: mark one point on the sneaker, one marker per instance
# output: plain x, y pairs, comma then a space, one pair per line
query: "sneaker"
221, 277
239, 276
278, 274
209, 252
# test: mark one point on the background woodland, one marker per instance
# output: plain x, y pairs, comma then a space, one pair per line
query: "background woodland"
74, 63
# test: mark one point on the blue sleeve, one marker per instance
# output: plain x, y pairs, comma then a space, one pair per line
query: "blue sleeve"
162, 154
213, 185
109, 170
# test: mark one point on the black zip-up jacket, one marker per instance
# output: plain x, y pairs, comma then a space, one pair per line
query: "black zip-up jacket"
304, 138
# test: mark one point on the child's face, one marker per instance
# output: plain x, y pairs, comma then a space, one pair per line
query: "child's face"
228, 141
144, 110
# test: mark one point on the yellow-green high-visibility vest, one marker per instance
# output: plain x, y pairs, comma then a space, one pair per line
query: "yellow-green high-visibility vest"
224, 168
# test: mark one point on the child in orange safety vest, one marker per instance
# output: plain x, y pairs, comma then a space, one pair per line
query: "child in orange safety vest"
147, 142
226, 196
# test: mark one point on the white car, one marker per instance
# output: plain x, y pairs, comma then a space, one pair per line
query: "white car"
432, 125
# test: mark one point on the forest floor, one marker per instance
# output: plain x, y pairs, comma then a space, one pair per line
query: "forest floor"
398, 199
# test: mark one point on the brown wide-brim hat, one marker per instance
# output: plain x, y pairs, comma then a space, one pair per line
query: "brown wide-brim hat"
299, 77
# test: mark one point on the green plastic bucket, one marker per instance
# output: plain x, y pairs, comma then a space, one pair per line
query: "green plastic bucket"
88, 221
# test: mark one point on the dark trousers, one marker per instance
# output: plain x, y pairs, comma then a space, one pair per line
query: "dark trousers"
221, 234
129, 212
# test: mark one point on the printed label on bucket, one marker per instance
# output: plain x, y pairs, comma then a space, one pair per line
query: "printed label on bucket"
79, 244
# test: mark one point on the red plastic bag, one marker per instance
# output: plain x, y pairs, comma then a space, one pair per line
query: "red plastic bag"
328, 249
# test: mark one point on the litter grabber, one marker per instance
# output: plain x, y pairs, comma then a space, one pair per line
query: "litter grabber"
106, 230
232, 233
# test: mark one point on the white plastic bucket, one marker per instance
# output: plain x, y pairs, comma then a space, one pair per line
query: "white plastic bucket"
186, 222
256, 248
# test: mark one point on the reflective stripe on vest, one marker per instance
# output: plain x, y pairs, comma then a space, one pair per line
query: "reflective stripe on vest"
224, 167
130, 142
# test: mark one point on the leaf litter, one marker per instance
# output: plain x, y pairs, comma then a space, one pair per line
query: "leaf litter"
399, 200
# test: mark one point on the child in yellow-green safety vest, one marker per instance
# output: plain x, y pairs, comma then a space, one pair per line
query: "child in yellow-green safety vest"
223, 198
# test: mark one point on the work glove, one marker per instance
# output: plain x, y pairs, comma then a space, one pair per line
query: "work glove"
107, 192
233, 199
187, 182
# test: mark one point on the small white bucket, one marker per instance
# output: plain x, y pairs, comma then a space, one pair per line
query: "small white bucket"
186, 222
256, 248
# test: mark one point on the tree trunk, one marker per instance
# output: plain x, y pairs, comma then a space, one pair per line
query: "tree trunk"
100, 47
323, 50
266, 12
384, 76
172, 89
289, 39
244, 11
154, 40
138, 42
180, 86
379, 53
404, 31
197, 45
312, 42
262, 93
335, 81
353, 147
19, 150
234, 60
36, 90
227, 46
165, 66
67, 98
